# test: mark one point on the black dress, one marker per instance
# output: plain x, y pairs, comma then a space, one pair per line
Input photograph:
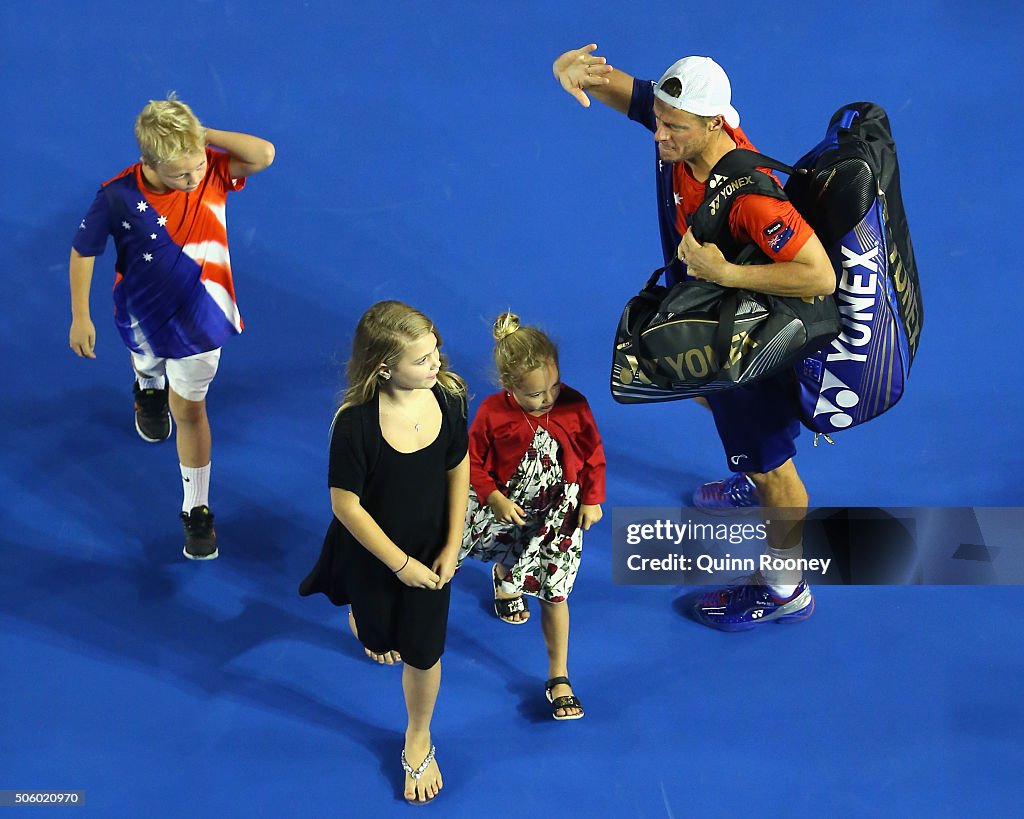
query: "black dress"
407, 495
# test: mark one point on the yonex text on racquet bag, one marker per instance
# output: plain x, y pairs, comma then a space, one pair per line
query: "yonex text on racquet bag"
851, 196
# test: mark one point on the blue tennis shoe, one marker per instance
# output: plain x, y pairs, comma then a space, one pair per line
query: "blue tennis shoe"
734, 494
749, 603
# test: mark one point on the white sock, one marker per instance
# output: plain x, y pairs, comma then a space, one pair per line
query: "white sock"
783, 582
195, 481
151, 383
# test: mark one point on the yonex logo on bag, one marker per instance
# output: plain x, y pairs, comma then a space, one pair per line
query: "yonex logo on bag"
865, 260
842, 398
906, 288
700, 362
716, 180
632, 371
856, 292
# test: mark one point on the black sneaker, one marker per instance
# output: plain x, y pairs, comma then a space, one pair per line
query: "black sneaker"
152, 415
200, 537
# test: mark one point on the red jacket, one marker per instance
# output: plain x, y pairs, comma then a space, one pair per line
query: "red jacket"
500, 436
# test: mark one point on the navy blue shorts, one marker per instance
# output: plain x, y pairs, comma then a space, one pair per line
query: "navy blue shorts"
758, 424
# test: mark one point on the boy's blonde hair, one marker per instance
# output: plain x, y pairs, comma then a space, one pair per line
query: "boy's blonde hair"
167, 130
382, 335
519, 350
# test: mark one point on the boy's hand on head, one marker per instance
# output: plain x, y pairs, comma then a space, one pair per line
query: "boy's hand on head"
83, 338
590, 513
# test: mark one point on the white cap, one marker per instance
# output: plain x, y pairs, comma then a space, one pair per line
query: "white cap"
705, 91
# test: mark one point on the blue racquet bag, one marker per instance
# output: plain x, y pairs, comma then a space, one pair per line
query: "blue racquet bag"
848, 189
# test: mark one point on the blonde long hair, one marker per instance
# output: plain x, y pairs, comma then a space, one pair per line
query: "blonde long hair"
382, 334
519, 349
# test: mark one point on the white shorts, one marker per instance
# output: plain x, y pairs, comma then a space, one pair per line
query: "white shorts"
189, 377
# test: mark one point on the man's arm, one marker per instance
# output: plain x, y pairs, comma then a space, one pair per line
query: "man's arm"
580, 71
83, 332
809, 274
249, 154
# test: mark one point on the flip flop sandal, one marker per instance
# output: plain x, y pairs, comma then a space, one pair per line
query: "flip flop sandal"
569, 701
505, 607
416, 773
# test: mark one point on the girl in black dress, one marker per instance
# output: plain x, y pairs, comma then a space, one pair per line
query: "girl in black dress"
399, 480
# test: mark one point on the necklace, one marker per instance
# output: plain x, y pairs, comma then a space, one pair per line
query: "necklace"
416, 425
533, 428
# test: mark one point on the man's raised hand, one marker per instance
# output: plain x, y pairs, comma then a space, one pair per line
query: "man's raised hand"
579, 69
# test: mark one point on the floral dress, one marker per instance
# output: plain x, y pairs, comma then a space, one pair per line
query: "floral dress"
543, 556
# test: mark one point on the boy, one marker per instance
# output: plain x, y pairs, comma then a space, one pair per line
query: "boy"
174, 300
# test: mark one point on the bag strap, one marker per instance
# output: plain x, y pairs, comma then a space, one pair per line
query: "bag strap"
748, 254
843, 120
723, 332
649, 292
740, 160
726, 324
653, 280
634, 336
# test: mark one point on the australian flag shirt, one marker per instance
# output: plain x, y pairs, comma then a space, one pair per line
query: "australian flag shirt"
173, 292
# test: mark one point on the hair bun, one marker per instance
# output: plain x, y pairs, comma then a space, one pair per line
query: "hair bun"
504, 325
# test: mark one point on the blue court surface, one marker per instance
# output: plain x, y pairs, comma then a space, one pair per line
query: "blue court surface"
426, 153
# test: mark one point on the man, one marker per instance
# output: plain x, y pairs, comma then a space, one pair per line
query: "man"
695, 125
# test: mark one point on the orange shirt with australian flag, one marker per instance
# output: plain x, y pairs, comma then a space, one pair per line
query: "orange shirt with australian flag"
774, 225
173, 291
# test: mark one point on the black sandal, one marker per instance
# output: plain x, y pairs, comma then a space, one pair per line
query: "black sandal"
505, 607
570, 701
